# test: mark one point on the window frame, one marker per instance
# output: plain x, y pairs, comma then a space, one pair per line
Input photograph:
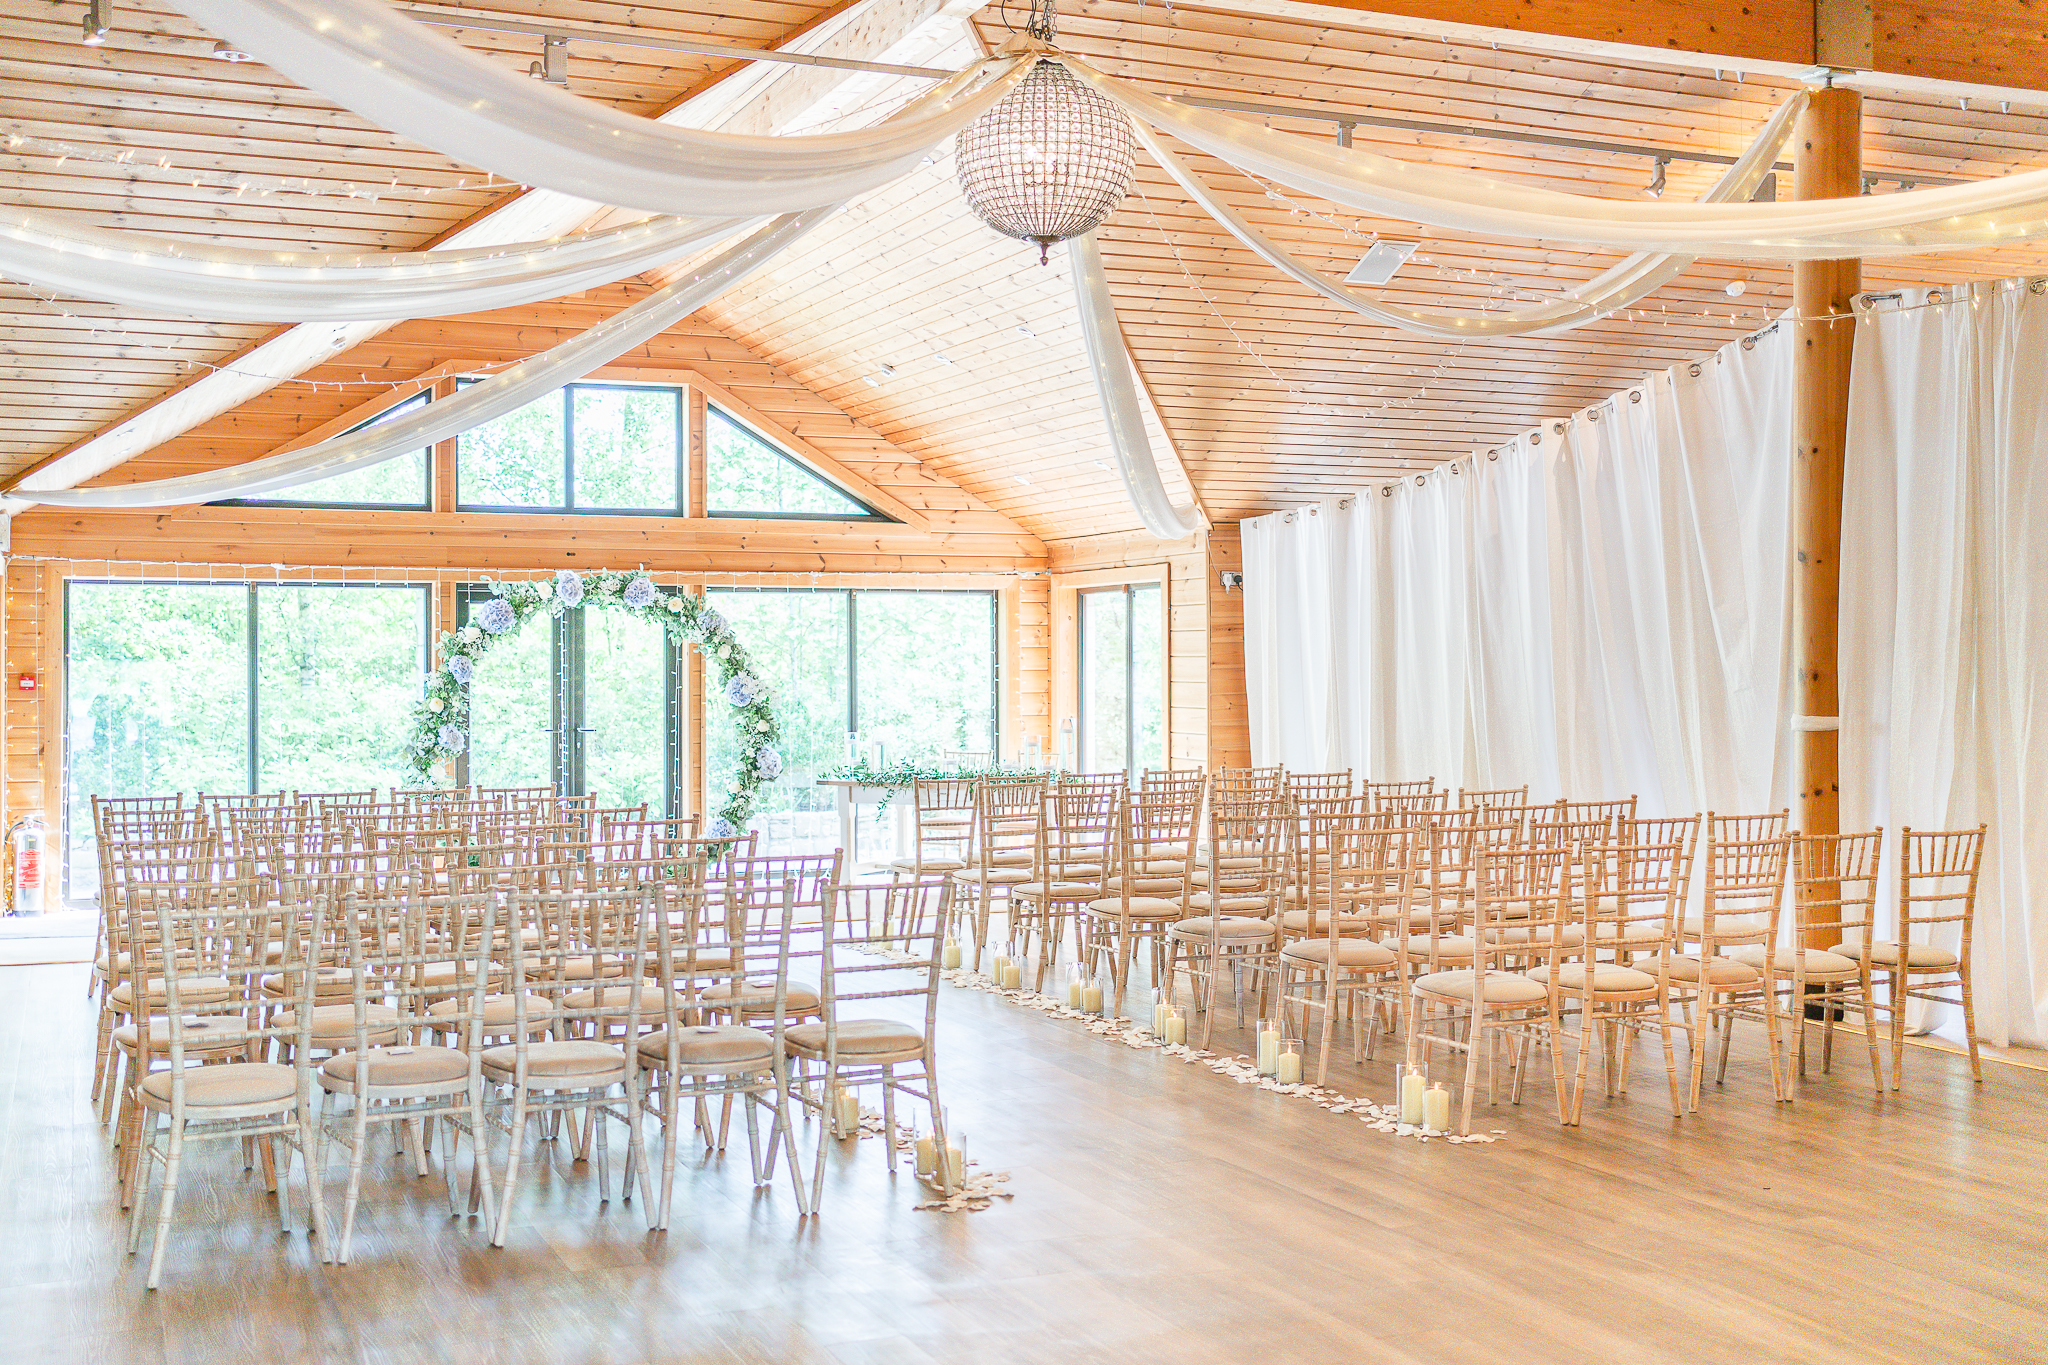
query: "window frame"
425, 452
1129, 590
867, 513
251, 676
567, 395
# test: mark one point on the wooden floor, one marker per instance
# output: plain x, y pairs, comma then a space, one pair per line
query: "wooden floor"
1161, 1213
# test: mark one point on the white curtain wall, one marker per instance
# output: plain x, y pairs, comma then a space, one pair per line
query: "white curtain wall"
1944, 658
1597, 608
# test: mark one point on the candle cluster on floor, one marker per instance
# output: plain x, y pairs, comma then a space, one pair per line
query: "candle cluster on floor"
1381, 1118
974, 1189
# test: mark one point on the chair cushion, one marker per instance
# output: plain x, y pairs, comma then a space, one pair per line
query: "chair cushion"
339, 1021
1730, 928
192, 990
1608, 978
326, 981
500, 1012
929, 864
230, 1084
1726, 971
208, 1036
1297, 922
1502, 988
1351, 952
758, 997
1258, 906
1138, 907
1819, 965
864, 1039
1232, 927
1146, 886
712, 1045
1064, 891
994, 876
1457, 947
619, 998
400, 1066
555, 1061
1919, 956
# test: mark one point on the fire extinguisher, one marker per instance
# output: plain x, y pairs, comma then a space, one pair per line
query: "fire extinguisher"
25, 842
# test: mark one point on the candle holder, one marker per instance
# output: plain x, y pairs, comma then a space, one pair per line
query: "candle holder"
1269, 1046
949, 956
1161, 1008
845, 1104
1288, 1065
1091, 995
1012, 978
925, 1146
1436, 1109
1076, 983
1176, 1034
1414, 1085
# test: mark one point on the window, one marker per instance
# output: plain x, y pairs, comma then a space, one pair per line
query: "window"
590, 700
584, 448
233, 687
912, 674
1122, 680
399, 482
745, 476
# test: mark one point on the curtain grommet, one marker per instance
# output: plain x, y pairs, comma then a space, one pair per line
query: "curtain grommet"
1592, 414
1693, 369
1557, 428
1387, 490
1934, 296
1635, 395
1493, 454
1536, 438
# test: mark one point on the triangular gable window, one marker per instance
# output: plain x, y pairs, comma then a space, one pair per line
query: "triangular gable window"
747, 476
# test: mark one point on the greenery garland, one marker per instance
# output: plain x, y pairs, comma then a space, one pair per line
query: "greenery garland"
902, 776
440, 728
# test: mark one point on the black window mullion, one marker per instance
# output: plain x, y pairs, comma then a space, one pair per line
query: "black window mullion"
852, 669
1130, 680
255, 767
568, 447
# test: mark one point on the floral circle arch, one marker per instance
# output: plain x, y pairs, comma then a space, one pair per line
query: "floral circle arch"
440, 728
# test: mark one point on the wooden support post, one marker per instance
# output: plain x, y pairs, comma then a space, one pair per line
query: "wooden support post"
1828, 165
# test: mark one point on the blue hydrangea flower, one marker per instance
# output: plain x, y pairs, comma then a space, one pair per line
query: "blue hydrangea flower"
452, 738
722, 828
496, 616
710, 622
568, 587
742, 690
461, 669
768, 764
640, 592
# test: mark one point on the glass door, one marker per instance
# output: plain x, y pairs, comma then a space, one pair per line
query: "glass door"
590, 701
1122, 673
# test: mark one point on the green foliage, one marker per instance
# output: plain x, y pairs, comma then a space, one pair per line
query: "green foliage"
743, 473
626, 446
400, 481
515, 461
337, 671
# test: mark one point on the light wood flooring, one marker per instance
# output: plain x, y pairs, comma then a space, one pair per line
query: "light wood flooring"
1161, 1213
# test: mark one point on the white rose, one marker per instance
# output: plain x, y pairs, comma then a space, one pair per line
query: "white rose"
472, 634
725, 651
436, 705
675, 604
544, 589
762, 726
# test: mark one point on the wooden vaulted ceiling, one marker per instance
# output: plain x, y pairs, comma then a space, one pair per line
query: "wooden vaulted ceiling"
950, 341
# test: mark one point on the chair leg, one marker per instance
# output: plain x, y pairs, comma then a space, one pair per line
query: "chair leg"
1474, 1039
511, 1184
1900, 994
1970, 1024
167, 1203
1870, 1035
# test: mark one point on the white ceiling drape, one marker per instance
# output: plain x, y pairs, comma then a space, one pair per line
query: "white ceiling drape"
1110, 364
236, 284
1983, 213
504, 392
1623, 284
407, 77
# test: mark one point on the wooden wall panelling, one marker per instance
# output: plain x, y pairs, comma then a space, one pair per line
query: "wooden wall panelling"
1230, 739
29, 617
1028, 603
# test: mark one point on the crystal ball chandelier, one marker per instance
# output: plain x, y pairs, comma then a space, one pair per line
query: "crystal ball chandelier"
1050, 162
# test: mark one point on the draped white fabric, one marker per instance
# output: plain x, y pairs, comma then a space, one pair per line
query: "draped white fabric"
1944, 655
1617, 287
1597, 608
411, 79
1110, 364
223, 283
1983, 213
504, 392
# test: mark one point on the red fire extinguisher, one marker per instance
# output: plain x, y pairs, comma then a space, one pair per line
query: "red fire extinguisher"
26, 840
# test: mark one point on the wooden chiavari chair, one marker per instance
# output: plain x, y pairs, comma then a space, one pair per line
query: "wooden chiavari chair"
1486, 798
1410, 803
226, 930
1521, 910
387, 1075
897, 1055
1165, 780
1359, 883
1746, 829
1612, 813
1076, 850
1233, 928
142, 873
1153, 849
1937, 899
685, 1058
329, 800
942, 827
594, 1050
1009, 817
1248, 784
753, 892
1742, 893
1834, 889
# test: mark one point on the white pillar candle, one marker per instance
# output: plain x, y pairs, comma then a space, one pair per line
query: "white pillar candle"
1269, 1048
845, 1111
1176, 1029
956, 1159
925, 1155
949, 956
1413, 1088
1160, 1010
1074, 989
1091, 999
1013, 976
1287, 1066
1436, 1109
